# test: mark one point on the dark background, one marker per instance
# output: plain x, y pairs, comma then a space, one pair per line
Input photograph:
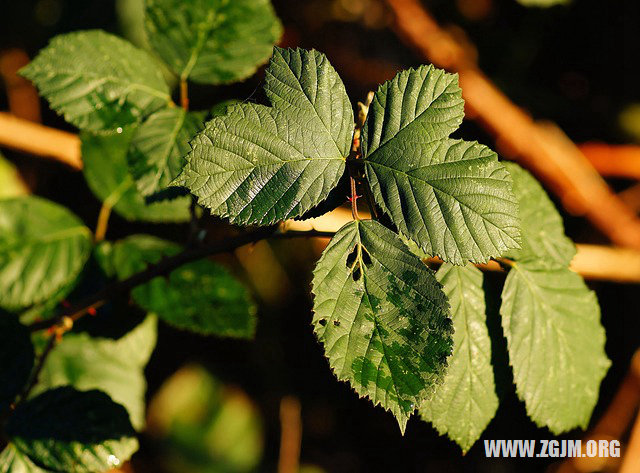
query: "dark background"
575, 65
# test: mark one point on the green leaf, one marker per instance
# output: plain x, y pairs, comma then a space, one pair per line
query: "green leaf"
16, 359
556, 344
201, 296
464, 404
260, 165
14, 461
11, 184
68, 430
43, 247
159, 146
541, 227
212, 41
453, 198
107, 174
98, 81
205, 426
113, 366
382, 317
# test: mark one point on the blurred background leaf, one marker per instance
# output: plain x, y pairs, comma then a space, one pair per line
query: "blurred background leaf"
204, 426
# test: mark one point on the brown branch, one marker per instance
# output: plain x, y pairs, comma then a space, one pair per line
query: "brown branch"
631, 197
545, 150
614, 160
23, 135
290, 435
21, 94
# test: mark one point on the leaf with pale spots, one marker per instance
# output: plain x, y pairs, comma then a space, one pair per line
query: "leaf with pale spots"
68, 430
382, 317
466, 401
260, 165
452, 197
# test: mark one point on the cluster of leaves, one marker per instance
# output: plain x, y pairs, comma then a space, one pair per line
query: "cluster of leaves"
79, 409
390, 326
406, 337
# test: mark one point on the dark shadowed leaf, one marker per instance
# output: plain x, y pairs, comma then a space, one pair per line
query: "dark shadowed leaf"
68, 430
159, 146
201, 296
113, 366
16, 359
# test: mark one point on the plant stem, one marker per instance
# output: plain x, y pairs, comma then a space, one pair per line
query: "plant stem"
103, 222
354, 199
184, 94
35, 374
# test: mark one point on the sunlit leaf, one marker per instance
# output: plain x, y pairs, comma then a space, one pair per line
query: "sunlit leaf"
556, 344
541, 227
98, 81
466, 401
258, 164
43, 248
452, 197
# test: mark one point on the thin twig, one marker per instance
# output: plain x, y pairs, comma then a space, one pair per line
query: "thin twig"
165, 266
35, 374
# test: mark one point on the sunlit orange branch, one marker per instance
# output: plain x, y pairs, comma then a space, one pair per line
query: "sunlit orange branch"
614, 160
544, 150
24, 135
595, 262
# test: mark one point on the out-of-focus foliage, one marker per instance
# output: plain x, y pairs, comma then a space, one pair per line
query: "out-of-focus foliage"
11, 184
204, 426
